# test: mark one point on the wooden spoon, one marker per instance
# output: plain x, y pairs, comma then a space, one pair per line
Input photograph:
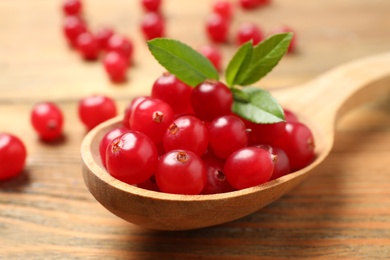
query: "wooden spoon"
318, 103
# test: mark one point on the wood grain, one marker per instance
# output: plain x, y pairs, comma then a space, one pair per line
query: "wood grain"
341, 212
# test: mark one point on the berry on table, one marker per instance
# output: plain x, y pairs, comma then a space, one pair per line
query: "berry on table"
107, 138
213, 54
122, 45
151, 5
116, 66
12, 156
224, 8
211, 99
102, 35
217, 28
152, 25
248, 167
249, 4
47, 120
181, 172
131, 157
96, 109
249, 31
173, 91
72, 7
88, 46
73, 26
284, 29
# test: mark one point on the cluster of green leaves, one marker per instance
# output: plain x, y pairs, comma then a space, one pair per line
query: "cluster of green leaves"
248, 65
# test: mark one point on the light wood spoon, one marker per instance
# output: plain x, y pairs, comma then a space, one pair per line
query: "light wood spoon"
318, 104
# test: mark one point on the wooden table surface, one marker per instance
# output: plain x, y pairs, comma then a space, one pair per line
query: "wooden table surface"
340, 212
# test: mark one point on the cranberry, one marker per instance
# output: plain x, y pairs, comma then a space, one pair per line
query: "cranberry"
290, 116
102, 35
211, 99
285, 29
152, 117
151, 5
298, 143
217, 28
122, 45
47, 120
149, 184
129, 109
181, 172
224, 8
213, 54
282, 163
116, 66
264, 133
131, 157
96, 109
88, 46
249, 31
248, 167
227, 134
186, 133
72, 7
12, 156
107, 138
173, 91
216, 179
263, 2
152, 26
249, 4
73, 26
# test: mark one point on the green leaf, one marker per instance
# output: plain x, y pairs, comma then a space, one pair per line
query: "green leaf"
260, 107
239, 63
266, 55
185, 63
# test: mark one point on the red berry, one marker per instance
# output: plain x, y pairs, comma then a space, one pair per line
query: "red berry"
285, 29
173, 91
282, 163
102, 35
116, 66
224, 8
131, 157
181, 172
213, 54
290, 116
211, 99
72, 7
298, 143
149, 184
263, 2
152, 117
216, 179
249, 31
217, 28
122, 45
96, 109
152, 25
151, 5
248, 167
12, 156
227, 134
73, 26
264, 133
249, 4
107, 138
129, 109
186, 133
88, 46
47, 120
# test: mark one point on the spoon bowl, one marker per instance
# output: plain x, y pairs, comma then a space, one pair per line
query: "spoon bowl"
318, 103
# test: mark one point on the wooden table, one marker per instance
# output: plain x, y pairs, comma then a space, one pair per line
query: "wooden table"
340, 212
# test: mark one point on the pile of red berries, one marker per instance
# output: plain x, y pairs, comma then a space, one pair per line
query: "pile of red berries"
185, 140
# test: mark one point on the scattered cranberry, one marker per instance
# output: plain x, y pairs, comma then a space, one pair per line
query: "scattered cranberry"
96, 109
116, 66
282, 163
224, 8
72, 7
173, 91
88, 46
186, 133
249, 32
129, 109
217, 28
151, 5
102, 35
107, 138
298, 143
285, 29
213, 54
12, 156
181, 172
47, 120
263, 2
227, 135
73, 26
122, 45
152, 25
249, 4
131, 157
211, 99
248, 167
